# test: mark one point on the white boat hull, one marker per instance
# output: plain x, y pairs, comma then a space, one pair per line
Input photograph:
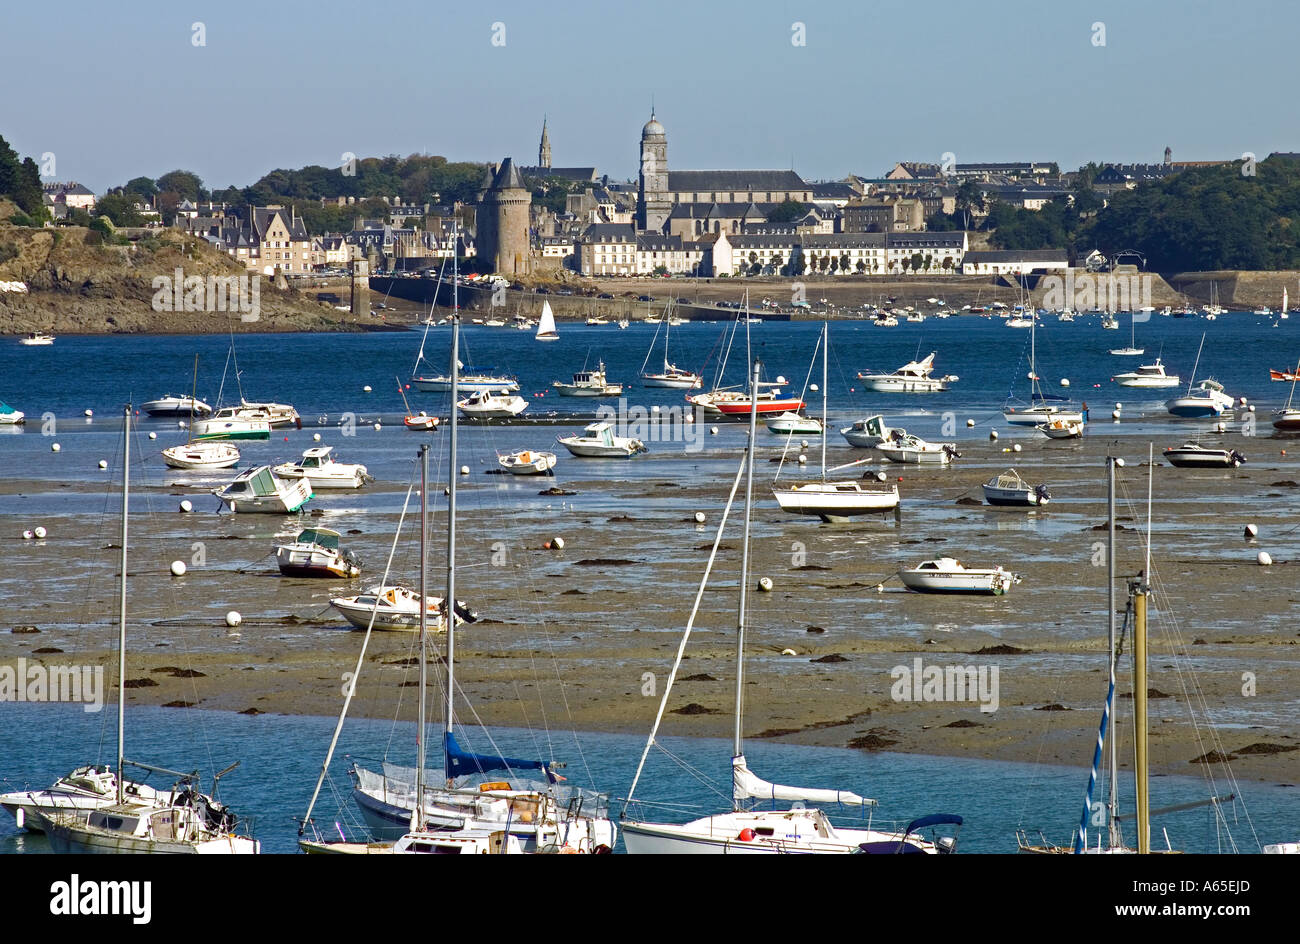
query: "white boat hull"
1035, 415
835, 501
67, 838
206, 456
973, 581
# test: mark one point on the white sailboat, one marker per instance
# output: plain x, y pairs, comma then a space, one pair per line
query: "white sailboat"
206, 455
1041, 409
546, 324
181, 821
799, 829
833, 501
669, 375
1132, 350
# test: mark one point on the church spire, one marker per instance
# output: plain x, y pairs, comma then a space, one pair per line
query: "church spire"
544, 151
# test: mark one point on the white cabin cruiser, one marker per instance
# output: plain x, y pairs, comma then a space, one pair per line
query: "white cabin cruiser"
1010, 489
315, 552
85, 789
181, 822
1206, 399
589, 383
903, 447
232, 422
1194, 455
599, 442
792, 424
176, 406
949, 575
1148, 375
912, 377
867, 433
492, 406
37, 339
260, 491
277, 414
482, 380
317, 464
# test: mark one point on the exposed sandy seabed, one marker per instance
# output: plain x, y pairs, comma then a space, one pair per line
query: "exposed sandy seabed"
566, 641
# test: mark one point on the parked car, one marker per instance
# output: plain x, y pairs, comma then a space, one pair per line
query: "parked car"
604, 295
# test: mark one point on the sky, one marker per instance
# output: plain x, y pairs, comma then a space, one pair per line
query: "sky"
115, 91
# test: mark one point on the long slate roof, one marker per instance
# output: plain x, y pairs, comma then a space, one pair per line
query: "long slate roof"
693, 181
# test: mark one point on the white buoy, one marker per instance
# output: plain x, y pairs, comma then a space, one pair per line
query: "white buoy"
178, 568
788, 652
765, 584
970, 423
1016, 447
699, 517
377, 427
803, 444
233, 618
366, 388
1119, 406
882, 477
39, 532
781, 381
89, 414
813, 387
103, 463
464, 470
315, 437
802, 459
688, 418
654, 409
1220, 427
557, 543
153, 435
1263, 558
1119, 463
28, 535
1251, 408
1242, 400
1115, 414
186, 506
55, 447
1065, 382
180, 424
993, 434
1252, 532
713, 430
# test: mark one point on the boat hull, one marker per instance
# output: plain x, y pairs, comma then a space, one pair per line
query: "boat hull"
67, 839
831, 503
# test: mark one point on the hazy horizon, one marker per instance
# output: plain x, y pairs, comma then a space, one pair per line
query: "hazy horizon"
288, 86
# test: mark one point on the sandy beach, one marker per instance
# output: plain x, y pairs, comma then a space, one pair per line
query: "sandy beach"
584, 637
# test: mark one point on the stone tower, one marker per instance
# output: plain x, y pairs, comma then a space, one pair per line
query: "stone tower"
503, 218
544, 151
652, 203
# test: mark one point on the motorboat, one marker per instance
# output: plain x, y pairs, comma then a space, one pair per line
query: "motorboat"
1110, 324
1061, 429
277, 414
905, 448
397, 609
792, 424
912, 377
184, 822
260, 491
589, 383
949, 575
1194, 455
232, 422
37, 339
491, 406
202, 456
888, 321
867, 433
1205, 399
595, 320
475, 380
736, 403
315, 552
85, 789
1020, 322
527, 462
1148, 375
424, 842
9, 416
1009, 489
599, 442
176, 406
318, 465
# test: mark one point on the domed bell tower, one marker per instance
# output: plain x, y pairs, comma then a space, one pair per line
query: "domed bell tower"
653, 203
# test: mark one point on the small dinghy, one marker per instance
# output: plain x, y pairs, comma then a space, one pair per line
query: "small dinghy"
527, 462
260, 491
1061, 429
599, 442
792, 424
949, 575
1193, 455
315, 552
1009, 489
202, 456
317, 464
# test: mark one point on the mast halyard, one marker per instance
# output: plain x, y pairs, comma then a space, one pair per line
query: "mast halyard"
121, 612
451, 517
417, 813
738, 743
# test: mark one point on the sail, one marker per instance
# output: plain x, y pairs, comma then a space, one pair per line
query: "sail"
461, 763
546, 325
746, 785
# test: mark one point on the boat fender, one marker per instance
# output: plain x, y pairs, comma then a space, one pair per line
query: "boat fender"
746, 835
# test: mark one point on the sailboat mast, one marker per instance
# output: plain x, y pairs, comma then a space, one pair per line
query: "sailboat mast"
417, 815
1142, 794
744, 563
451, 512
826, 352
1112, 804
121, 610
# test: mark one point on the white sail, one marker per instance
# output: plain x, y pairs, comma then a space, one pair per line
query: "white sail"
746, 785
1284, 301
546, 324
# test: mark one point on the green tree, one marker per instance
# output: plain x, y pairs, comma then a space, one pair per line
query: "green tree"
788, 211
187, 184
120, 210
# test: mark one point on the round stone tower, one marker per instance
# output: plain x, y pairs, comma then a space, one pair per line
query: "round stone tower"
503, 218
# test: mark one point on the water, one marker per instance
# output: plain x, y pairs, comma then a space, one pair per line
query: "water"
281, 756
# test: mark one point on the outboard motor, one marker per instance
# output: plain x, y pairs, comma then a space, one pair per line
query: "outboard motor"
1042, 494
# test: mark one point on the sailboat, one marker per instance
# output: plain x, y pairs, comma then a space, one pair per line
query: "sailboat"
1209, 399
180, 821
1041, 409
398, 803
797, 828
546, 324
1132, 350
473, 379
834, 501
669, 376
203, 455
1287, 419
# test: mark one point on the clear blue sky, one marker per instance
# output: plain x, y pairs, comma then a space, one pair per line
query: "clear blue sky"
119, 90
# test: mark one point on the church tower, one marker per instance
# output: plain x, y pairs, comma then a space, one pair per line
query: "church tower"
653, 204
544, 152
